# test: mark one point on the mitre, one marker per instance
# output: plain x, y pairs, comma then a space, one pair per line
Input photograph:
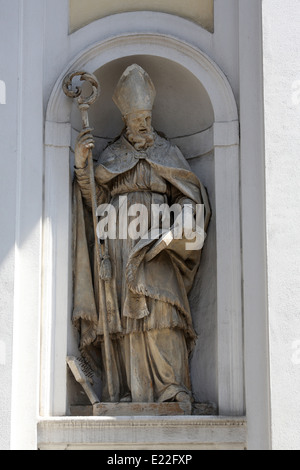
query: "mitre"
135, 91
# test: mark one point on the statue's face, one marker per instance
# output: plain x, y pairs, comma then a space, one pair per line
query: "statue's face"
139, 130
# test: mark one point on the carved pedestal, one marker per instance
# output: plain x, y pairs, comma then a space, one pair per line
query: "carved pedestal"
145, 409
142, 409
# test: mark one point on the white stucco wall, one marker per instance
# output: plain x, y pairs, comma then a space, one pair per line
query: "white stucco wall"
21, 184
281, 26
8, 152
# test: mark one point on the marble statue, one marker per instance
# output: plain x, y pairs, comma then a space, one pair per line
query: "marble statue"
143, 302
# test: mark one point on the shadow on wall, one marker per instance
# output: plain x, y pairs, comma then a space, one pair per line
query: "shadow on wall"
182, 106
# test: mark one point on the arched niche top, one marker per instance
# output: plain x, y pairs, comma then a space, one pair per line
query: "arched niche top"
194, 60
182, 108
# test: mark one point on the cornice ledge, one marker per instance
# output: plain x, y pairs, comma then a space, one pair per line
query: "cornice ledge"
168, 421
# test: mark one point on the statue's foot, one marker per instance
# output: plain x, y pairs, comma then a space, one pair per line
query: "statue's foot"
183, 397
126, 399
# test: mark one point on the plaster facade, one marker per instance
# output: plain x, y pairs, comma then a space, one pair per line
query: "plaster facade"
282, 120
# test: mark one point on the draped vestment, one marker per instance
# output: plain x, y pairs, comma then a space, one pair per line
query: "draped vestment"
149, 317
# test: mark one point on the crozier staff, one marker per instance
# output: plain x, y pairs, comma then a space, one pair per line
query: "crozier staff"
101, 259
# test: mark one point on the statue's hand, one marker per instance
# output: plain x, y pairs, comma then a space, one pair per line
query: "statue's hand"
84, 144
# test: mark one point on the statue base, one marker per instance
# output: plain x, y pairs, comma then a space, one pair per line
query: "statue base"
145, 409
142, 409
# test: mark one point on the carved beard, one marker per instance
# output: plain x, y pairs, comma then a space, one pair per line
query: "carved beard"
140, 141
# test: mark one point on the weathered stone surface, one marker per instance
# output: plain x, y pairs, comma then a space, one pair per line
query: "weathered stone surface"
145, 409
131, 304
143, 433
142, 409
81, 410
205, 409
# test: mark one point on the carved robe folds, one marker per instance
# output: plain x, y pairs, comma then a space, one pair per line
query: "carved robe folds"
148, 311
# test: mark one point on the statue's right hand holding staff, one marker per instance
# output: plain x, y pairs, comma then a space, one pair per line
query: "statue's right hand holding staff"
84, 145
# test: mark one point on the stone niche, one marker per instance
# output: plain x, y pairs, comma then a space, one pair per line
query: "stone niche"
195, 108
184, 114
